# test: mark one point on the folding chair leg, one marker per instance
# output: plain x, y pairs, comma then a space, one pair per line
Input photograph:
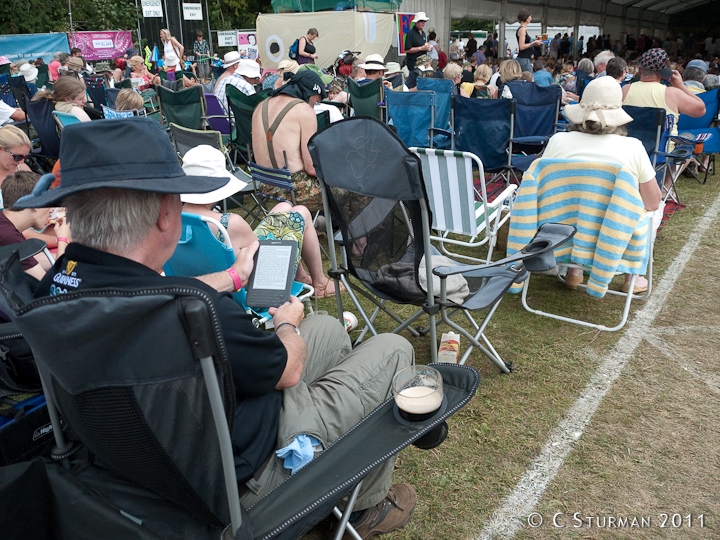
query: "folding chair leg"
486, 347
345, 516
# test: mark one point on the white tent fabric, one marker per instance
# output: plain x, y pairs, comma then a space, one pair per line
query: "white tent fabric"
616, 17
371, 33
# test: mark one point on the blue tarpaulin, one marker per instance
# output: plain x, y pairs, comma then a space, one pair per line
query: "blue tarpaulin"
30, 46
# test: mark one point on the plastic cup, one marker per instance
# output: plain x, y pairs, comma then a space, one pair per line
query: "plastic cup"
418, 392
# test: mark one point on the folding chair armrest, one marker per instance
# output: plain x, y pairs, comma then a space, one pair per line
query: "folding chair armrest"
439, 131
506, 194
530, 140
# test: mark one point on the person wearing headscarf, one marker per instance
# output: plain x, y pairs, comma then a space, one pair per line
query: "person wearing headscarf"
285, 144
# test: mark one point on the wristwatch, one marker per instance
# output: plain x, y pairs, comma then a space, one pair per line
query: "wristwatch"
279, 326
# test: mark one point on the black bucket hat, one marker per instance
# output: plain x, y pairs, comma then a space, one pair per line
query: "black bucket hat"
130, 153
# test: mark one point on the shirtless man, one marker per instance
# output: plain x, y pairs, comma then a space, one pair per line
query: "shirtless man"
290, 137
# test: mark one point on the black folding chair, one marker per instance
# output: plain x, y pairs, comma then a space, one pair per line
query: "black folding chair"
156, 416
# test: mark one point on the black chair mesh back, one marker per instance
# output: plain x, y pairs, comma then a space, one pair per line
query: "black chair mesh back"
126, 383
375, 190
111, 424
379, 237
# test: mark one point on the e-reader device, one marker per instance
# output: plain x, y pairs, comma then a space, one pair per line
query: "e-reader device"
272, 277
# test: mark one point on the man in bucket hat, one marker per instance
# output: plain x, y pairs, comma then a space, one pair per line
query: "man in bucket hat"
303, 379
649, 91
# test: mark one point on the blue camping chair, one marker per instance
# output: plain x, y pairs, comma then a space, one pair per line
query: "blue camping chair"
40, 115
536, 119
652, 127
703, 126
484, 127
64, 119
413, 115
200, 252
444, 90
5, 93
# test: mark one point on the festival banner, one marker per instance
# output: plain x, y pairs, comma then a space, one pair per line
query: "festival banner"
102, 45
404, 22
247, 45
32, 46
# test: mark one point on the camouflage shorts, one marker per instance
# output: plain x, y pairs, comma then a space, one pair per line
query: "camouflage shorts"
307, 191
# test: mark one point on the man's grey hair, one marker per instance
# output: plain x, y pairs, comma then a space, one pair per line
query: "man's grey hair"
693, 74
111, 219
603, 58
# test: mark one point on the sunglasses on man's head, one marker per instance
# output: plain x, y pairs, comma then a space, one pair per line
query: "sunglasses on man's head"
17, 157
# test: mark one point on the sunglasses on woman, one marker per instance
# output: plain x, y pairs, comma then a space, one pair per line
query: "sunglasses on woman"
17, 157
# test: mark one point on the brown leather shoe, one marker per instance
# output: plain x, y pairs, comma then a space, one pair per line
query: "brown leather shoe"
391, 513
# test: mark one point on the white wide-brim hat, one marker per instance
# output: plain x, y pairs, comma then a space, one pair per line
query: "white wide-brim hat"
29, 71
374, 61
231, 58
420, 16
601, 102
248, 68
204, 160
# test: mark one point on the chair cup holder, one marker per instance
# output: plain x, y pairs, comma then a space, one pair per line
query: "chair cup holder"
436, 435
545, 258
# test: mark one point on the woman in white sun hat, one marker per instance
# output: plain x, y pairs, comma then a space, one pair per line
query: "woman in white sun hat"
597, 133
208, 161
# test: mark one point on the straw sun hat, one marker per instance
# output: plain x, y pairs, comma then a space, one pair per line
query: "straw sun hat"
601, 102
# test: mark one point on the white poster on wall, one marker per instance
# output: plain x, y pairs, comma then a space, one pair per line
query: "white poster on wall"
247, 45
192, 12
152, 8
227, 38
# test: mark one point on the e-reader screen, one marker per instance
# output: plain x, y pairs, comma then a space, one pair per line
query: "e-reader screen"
272, 276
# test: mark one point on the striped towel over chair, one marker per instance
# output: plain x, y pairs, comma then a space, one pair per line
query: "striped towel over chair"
602, 200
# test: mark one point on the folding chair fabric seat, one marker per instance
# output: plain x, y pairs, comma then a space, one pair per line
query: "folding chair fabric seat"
457, 206
20, 90
216, 115
274, 178
444, 91
702, 126
110, 114
97, 92
241, 108
185, 107
484, 127
412, 115
365, 98
65, 119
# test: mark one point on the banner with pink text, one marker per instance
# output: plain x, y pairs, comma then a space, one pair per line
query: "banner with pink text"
102, 45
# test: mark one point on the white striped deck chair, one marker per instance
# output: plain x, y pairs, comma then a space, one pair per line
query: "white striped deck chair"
458, 207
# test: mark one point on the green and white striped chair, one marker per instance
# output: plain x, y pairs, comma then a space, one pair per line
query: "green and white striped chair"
462, 213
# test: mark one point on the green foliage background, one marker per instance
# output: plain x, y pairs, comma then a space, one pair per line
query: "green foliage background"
38, 16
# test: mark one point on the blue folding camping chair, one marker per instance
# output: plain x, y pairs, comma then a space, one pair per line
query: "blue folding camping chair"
704, 130
413, 115
200, 252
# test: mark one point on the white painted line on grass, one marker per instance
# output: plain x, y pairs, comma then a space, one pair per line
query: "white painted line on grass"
512, 516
